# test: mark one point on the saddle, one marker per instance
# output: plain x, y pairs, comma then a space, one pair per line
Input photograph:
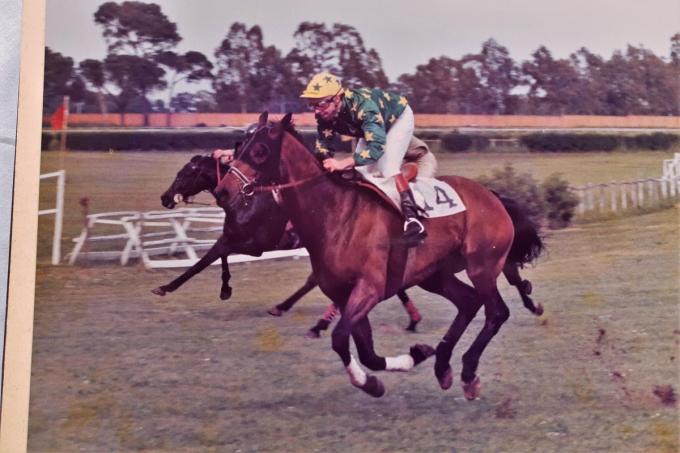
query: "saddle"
418, 159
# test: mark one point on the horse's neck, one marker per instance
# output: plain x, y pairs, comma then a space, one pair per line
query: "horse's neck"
315, 207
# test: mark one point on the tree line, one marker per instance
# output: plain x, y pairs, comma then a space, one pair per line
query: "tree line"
143, 68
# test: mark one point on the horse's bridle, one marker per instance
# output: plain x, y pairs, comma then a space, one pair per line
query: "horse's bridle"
248, 188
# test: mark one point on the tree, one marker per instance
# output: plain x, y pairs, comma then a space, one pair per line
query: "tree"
190, 67
675, 48
124, 79
248, 73
339, 49
201, 101
136, 34
58, 73
498, 75
433, 88
554, 85
92, 71
136, 28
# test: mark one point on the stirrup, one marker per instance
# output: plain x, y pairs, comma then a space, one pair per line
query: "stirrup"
410, 220
414, 232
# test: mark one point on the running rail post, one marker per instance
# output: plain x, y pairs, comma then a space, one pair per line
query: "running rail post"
58, 212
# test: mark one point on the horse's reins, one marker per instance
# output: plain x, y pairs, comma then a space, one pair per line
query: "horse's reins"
248, 188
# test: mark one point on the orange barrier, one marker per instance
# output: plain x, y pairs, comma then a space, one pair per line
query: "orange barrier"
422, 120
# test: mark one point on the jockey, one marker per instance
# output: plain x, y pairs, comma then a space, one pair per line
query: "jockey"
382, 121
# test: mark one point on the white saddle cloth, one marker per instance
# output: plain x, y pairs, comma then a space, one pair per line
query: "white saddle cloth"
435, 197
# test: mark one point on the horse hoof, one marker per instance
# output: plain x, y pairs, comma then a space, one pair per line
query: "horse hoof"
420, 353
225, 294
471, 390
159, 291
373, 387
275, 311
445, 379
313, 334
527, 287
412, 326
539, 310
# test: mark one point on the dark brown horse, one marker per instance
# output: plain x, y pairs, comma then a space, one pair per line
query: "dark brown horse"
201, 174
358, 260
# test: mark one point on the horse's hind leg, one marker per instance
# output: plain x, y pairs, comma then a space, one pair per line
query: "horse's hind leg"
465, 298
287, 304
511, 272
496, 313
323, 322
413, 313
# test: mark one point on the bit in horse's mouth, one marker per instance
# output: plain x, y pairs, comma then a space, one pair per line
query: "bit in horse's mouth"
178, 198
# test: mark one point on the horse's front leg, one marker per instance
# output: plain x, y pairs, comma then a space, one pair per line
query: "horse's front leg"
354, 322
363, 338
218, 249
225, 291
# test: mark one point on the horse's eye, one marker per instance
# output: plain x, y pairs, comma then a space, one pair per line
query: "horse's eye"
193, 167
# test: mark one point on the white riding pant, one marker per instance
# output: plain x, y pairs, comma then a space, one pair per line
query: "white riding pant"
397, 142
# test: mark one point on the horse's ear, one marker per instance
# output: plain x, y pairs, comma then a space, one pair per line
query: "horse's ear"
279, 127
263, 119
196, 158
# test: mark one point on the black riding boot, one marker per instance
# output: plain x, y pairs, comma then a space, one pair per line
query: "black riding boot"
414, 231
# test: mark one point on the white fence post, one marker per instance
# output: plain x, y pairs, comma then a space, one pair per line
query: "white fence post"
58, 212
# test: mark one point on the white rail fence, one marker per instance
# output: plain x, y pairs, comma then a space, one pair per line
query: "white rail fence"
148, 235
614, 197
58, 212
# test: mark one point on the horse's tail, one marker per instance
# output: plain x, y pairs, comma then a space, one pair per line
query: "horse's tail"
527, 244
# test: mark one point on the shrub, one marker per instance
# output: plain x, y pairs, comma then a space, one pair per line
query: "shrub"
656, 141
552, 201
456, 142
559, 201
571, 142
124, 140
520, 187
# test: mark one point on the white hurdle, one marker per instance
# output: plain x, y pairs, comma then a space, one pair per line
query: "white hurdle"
58, 212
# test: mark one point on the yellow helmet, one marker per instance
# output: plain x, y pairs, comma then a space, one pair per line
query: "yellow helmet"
322, 85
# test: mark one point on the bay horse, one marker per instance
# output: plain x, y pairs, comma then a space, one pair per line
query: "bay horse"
358, 260
201, 174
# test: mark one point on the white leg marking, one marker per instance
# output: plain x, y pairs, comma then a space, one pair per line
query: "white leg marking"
356, 374
400, 363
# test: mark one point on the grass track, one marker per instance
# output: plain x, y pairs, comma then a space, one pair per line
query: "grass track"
118, 369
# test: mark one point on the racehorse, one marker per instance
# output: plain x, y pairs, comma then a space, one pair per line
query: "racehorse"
358, 259
201, 174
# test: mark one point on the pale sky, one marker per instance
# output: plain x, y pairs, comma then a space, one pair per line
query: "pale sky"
405, 33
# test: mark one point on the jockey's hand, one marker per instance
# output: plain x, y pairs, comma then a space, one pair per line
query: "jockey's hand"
225, 155
332, 164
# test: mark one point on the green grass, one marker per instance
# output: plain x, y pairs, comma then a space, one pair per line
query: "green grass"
118, 369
